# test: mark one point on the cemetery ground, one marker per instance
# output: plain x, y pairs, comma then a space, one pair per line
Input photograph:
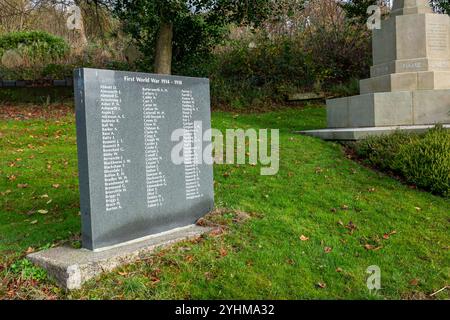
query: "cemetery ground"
309, 232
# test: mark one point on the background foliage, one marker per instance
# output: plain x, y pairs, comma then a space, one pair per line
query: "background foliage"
34, 45
255, 52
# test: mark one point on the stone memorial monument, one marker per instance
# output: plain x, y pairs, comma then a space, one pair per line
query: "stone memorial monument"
409, 87
143, 180
129, 185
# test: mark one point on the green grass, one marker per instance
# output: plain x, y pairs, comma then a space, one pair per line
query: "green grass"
317, 192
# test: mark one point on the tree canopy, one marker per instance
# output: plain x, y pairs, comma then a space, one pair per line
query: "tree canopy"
196, 25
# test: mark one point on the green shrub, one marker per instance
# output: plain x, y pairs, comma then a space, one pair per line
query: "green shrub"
34, 45
382, 151
259, 71
426, 163
340, 52
422, 159
57, 71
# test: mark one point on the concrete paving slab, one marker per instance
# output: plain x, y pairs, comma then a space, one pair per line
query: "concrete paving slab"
72, 267
349, 134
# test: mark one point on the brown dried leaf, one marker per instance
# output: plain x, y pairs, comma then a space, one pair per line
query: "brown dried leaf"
30, 250
216, 232
155, 280
321, 285
414, 282
351, 226
387, 235
223, 252
304, 238
372, 247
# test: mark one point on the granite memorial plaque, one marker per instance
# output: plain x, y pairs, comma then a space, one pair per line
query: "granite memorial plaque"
127, 126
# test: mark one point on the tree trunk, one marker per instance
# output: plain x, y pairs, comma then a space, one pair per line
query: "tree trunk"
163, 59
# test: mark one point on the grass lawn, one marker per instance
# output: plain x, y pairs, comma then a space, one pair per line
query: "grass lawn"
350, 218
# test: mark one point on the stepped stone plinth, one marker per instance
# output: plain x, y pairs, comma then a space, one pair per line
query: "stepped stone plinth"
410, 76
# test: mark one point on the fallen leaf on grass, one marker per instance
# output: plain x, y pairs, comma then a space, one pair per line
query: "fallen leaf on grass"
372, 247
42, 211
216, 232
44, 196
418, 209
389, 234
290, 262
223, 252
22, 185
34, 222
351, 226
155, 280
304, 238
321, 285
327, 249
414, 282
56, 185
208, 276
338, 269
30, 250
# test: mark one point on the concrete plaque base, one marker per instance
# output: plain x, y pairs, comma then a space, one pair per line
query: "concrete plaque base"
72, 267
